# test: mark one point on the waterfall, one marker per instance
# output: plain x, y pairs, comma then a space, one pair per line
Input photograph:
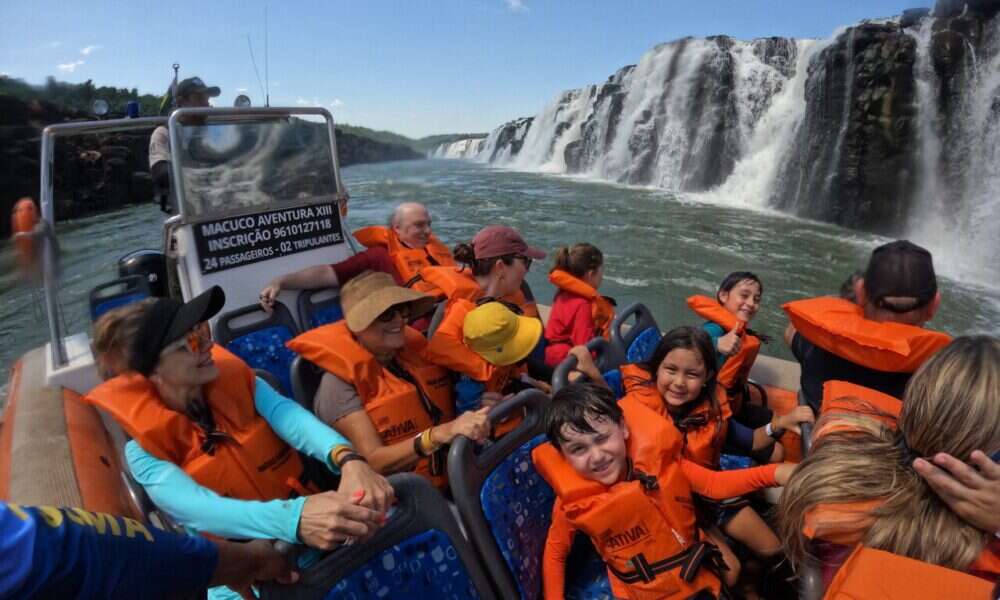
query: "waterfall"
958, 200
466, 148
891, 126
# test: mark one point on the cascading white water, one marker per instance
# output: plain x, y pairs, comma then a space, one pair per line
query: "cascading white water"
961, 227
467, 148
752, 181
788, 123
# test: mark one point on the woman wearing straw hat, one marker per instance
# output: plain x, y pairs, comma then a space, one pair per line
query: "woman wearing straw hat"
380, 390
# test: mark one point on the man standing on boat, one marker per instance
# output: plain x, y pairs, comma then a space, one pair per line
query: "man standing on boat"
400, 249
877, 341
190, 93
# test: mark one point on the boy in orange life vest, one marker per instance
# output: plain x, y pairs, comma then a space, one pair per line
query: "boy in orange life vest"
380, 390
879, 341
401, 249
579, 313
619, 477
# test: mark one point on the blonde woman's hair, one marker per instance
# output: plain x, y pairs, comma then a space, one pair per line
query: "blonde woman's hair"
114, 334
952, 405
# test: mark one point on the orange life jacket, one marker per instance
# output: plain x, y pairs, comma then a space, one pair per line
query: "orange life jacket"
458, 282
840, 327
396, 408
644, 530
703, 433
734, 373
408, 260
870, 574
844, 397
601, 309
258, 465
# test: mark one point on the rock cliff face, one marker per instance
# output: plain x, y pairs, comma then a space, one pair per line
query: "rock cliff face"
860, 129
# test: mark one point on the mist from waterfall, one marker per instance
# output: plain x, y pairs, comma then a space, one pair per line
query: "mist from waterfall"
958, 216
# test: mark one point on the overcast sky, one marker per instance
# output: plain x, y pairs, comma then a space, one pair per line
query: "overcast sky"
414, 67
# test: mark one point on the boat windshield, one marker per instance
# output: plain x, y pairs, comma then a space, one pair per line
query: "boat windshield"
231, 165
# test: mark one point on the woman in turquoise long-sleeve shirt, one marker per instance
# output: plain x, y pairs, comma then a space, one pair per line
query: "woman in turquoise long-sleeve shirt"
185, 403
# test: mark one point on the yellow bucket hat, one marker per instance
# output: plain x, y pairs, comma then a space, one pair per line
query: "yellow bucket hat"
497, 334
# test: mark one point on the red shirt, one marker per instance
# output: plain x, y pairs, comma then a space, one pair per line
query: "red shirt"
372, 259
571, 323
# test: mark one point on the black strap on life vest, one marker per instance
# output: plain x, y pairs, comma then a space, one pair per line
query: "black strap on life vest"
435, 414
689, 562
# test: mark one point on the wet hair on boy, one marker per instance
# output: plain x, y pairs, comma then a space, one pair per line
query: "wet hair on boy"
574, 404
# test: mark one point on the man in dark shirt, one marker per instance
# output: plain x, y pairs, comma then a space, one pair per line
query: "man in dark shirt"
49, 552
898, 286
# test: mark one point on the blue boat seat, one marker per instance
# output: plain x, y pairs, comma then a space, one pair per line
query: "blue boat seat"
420, 554
319, 307
605, 356
636, 344
506, 506
117, 292
260, 339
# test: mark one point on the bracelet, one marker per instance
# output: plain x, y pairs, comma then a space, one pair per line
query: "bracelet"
337, 451
348, 457
425, 440
771, 432
417, 448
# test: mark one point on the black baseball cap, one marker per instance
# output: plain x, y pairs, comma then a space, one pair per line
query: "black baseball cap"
168, 320
192, 85
900, 277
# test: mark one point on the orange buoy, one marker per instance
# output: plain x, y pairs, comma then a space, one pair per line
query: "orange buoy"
24, 218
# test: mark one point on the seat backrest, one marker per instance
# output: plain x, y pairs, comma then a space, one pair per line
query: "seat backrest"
305, 381
506, 506
635, 341
419, 553
807, 428
117, 292
436, 318
136, 494
319, 307
269, 378
606, 357
259, 339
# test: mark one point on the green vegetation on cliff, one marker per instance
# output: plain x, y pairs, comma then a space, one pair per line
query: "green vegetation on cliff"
423, 145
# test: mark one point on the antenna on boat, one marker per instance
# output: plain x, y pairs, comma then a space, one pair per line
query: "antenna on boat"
267, 79
254, 63
173, 86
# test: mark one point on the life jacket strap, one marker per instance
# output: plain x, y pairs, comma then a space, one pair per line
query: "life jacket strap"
689, 562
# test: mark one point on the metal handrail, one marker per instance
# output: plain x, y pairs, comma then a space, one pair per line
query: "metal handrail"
49, 266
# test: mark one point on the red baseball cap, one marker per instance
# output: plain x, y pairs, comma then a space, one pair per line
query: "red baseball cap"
498, 240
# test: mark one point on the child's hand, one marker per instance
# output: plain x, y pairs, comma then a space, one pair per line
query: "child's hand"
473, 424
730, 343
790, 421
783, 473
491, 399
584, 361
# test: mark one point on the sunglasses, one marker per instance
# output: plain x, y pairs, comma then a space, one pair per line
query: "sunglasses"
527, 261
390, 313
198, 340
